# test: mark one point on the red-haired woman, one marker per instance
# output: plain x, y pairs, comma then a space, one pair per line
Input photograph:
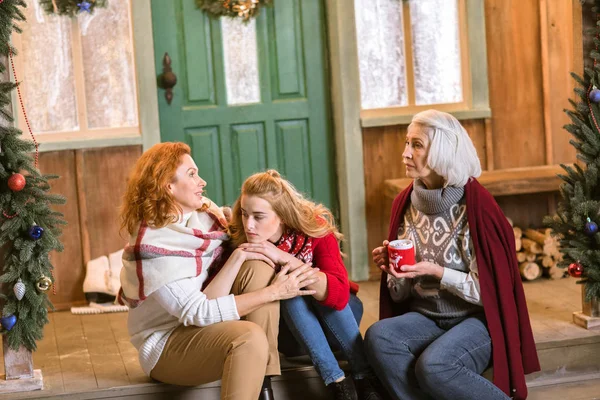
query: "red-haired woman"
187, 332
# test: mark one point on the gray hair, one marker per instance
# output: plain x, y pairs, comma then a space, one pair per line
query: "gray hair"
452, 154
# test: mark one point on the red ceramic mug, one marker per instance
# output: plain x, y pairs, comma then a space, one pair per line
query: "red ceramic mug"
401, 252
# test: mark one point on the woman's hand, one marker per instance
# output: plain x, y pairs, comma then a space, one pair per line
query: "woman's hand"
246, 255
287, 285
380, 255
423, 268
269, 250
227, 213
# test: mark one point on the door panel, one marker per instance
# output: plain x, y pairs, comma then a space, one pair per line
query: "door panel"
288, 82
288, 128
293, 151
204, 143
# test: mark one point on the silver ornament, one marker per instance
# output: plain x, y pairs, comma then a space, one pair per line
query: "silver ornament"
19, 289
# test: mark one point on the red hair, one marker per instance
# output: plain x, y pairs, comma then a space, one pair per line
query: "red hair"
147, 196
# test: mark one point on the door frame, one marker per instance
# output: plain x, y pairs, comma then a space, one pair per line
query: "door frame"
345, 107
345, 104
143, 44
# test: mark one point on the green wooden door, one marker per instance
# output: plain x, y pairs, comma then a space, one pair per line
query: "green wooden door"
286, 127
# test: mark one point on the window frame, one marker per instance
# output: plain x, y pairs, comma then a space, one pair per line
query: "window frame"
147, 130
475, 102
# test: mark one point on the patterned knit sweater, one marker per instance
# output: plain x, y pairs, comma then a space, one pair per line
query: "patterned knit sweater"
436, 222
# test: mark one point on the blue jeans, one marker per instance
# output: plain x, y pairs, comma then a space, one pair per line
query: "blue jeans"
416, 359
318, 329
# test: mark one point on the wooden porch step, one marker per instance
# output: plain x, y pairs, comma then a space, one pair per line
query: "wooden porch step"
297, 382
581, 390
568, 354
502, 182
565, 361
568, 367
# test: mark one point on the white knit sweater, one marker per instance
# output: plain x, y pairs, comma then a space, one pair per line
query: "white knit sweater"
179, 302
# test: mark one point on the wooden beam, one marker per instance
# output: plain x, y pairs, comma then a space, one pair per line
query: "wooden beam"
408, 54
489, 144
546, 84
345, 99
141, 17
504, 182
82, 205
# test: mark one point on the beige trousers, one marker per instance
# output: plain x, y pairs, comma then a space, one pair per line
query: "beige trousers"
240, 353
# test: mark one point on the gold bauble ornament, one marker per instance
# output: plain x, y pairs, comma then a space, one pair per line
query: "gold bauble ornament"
43, 284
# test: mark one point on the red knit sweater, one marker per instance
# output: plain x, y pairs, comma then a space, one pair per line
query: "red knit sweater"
327, 257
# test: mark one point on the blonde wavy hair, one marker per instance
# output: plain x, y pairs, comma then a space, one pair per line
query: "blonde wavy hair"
296, 212
147, 197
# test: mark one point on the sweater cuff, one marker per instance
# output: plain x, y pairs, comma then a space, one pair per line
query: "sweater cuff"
452, 278
337, 294
228, 308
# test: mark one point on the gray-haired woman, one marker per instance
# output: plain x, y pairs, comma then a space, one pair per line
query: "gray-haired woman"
461, 306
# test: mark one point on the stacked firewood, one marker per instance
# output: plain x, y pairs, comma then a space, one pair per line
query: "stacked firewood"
538, 253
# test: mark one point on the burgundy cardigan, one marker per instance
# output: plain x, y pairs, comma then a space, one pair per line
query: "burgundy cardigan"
513, 348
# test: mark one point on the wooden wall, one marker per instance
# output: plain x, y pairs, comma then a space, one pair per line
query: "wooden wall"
530, 53
93, 181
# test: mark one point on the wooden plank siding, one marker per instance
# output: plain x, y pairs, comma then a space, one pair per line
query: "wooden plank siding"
531, 50
105, 175
69, 269
515, 82
93, 182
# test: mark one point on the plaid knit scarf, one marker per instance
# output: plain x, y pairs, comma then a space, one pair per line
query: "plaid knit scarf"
155, 257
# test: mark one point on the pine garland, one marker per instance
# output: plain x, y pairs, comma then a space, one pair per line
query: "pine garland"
22, 257
245, 9
580, 191
71, 7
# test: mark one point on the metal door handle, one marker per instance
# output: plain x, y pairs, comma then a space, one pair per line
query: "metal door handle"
167, 80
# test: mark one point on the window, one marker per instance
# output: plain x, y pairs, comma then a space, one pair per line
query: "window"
415, 54
78, 75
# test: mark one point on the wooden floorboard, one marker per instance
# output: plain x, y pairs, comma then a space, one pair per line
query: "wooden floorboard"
104, 352
369, 295
87, 353
47, 358
75, 361
128, 353
551, 304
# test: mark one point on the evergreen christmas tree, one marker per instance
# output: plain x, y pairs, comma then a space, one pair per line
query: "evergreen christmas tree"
578, 214
29, 229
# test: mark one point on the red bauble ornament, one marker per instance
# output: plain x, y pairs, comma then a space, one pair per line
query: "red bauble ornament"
576, 270
16, 182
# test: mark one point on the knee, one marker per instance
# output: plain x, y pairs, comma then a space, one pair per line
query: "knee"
254, 275
375, 338
252, 342
357, 308
289, 305
433, 371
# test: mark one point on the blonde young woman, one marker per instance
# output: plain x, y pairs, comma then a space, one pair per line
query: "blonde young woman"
272, 219
188, 332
